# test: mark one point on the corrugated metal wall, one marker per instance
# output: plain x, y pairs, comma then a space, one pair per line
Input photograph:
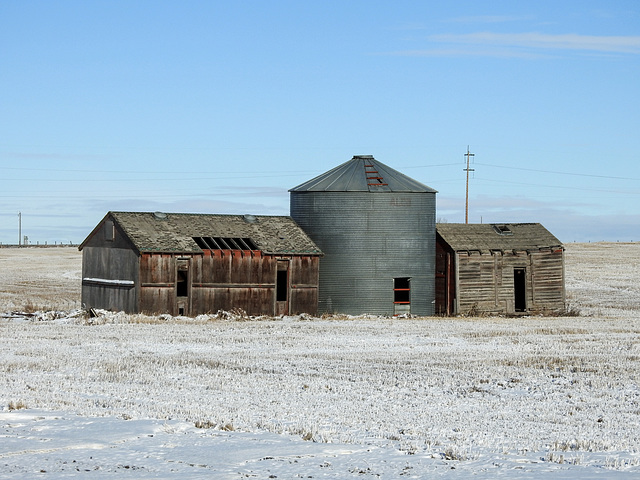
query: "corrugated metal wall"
368, 239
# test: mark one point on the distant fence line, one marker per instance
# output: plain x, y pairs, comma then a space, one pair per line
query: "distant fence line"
37, 245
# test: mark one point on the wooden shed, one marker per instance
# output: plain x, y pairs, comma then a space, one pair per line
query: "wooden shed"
512, 268
190, 264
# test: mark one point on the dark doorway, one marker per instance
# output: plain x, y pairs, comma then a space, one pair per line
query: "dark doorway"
282, 288
182, 283
182, 287
520, 289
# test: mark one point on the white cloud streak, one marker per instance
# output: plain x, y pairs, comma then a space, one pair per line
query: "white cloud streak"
594, 43
524, 45
491, 19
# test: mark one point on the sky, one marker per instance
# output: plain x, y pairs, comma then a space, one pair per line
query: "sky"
223, 106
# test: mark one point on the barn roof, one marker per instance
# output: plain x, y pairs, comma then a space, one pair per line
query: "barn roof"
175, 232
363, 173
490, 237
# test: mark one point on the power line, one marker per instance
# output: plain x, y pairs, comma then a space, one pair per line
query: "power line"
560, 173
562, 187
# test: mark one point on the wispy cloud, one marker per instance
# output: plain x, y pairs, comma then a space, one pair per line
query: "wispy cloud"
490, 19
470, 51
472, 19
524, 45
571, 41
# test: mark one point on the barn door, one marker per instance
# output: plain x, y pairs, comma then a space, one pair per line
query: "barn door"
520, 289
282, 288
183, 287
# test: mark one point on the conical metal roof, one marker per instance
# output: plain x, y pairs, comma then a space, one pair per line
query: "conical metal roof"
363, 173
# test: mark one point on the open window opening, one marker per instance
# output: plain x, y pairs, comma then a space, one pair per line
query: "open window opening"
502, 229
402, 295
225, 243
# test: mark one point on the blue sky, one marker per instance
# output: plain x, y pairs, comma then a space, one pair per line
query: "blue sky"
222, 106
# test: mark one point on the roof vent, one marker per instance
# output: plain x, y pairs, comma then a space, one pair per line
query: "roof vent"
250, 218
160, 215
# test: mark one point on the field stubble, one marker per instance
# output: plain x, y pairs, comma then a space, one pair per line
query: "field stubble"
464, 386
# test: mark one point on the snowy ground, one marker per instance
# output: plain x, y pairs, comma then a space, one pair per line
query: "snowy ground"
161, 397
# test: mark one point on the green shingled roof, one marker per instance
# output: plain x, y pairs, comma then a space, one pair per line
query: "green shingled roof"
174, 232
489, 237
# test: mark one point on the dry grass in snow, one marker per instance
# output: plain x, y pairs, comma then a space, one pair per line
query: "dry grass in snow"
519, 396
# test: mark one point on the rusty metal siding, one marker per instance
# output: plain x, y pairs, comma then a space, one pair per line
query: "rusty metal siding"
368, 239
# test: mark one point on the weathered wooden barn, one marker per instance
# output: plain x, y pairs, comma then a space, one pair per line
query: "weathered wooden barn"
498, 269
189, 264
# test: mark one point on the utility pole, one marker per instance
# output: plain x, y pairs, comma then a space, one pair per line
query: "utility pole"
466, 202
19, 228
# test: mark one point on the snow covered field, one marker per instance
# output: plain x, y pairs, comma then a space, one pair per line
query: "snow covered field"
294, 397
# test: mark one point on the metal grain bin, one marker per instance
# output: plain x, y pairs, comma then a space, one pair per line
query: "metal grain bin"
376, 228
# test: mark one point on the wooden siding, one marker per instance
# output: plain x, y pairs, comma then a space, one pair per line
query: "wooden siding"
105, 276
158, 284
485, 282
445, 280
224, 280
304, 278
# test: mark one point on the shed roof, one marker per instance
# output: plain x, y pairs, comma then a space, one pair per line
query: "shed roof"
174, 232
362, 173
489, 237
